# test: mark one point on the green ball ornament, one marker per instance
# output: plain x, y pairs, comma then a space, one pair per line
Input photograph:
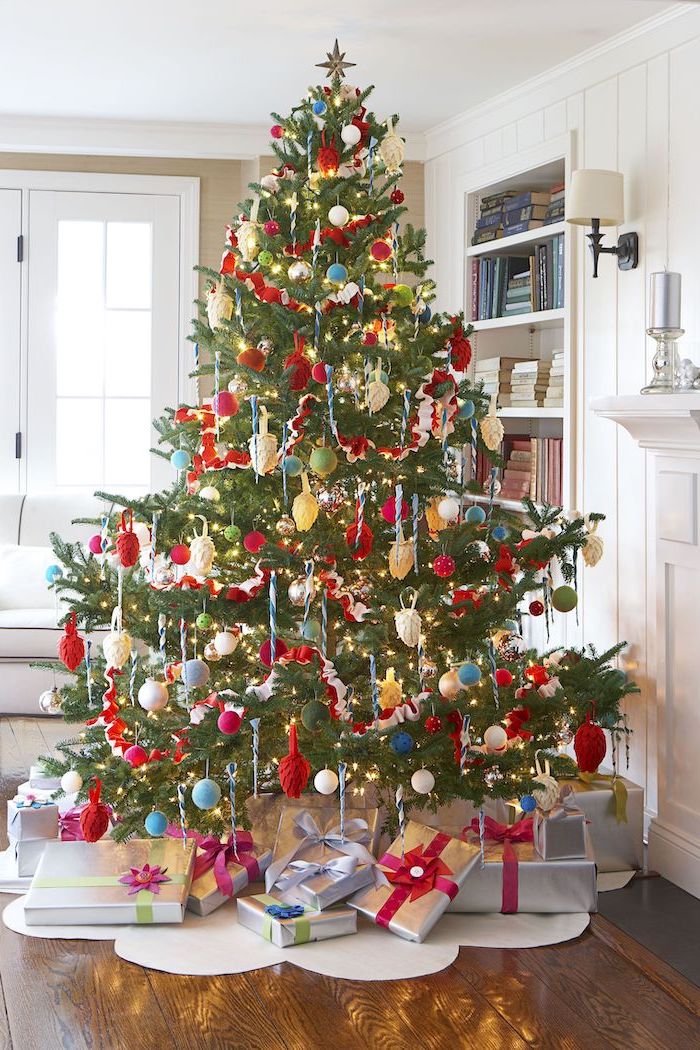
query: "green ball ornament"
232, 533
379, 376
311, 630
266, 258
564, 599
204, 621
402, 294
314, 714
323, 461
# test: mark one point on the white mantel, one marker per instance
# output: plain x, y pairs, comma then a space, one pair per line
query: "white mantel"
669, 426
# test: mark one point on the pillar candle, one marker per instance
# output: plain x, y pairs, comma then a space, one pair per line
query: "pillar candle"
664, 300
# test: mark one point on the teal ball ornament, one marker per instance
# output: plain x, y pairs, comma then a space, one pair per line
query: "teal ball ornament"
401, 743
180, 459
195, 673
314, 714
292, 466
311, 630
425, 315
156, 823
500, 533
337, 273
468, 674
206, 793
564, 598
512, 626
475, 515
528, 803
467, 410
53, 573
618, 677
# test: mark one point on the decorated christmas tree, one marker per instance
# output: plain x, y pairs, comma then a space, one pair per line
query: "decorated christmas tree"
325, 588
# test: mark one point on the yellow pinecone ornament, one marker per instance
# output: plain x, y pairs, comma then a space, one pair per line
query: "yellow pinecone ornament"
389, 690
434, 521
492, 429
219, 306
592, 549
401, 557
305, 506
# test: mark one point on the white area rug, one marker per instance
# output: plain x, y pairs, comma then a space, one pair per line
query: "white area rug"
216, 944
613, 880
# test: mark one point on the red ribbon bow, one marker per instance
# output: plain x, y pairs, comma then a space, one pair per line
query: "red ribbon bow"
419, 871
521, 831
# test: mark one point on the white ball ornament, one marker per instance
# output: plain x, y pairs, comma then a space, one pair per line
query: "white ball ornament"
448, 508
225, 642
71, 782
495, 739
153, 695
326, 781
210, 493
423, 781
449, 685
351, 134
338, 215
270, 183
143, 533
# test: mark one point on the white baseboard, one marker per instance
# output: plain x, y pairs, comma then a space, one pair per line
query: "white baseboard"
675, 855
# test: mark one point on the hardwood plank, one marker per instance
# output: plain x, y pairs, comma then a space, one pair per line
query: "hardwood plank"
655, 969
5, 1040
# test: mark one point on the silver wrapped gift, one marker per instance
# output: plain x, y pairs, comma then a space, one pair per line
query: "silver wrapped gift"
614, 809
108, 882
31, 819
420, 882
265, 810
560, 834
39, 778
288, 924
221, 872
322, 884
28, 853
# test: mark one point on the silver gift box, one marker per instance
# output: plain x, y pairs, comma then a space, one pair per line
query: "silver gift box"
414, 919
544, 886
28, 853
617, 845
39, 778
205, 895
264, 812
27, 822
323, 890
77, 883
312, 926
560, 835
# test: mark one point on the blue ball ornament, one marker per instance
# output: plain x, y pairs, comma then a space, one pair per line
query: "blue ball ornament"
337, 273
467, 410
425, 315
293, 466
319, 107
156, 823
401, 743
619, 677
311, 630
512, 626
195, 673
468, 674
52, 573
206, 793
528, 803
475, 515
500, 533
180, 459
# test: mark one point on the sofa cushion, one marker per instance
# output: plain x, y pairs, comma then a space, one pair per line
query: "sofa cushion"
32, 634
23, 577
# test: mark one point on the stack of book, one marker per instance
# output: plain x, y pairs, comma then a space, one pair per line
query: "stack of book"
528, 383
533, 468
517, 453
494, 374
519, 293
554, 394
511, 212
555, 208
547, 269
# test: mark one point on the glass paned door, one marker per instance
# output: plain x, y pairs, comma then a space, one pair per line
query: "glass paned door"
10, 288
103, 337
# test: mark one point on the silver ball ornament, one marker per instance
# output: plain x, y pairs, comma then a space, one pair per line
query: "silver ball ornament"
496, 486
210, 653
299, 271
285, 526
238, 385
428, 667
492, 776
50, 702
331, 499
296, 592
511, 647
266, 345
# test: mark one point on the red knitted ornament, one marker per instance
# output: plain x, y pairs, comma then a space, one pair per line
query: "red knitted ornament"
589, 746
94, 818
359, 550
127, 541
300, 365
71, 647
327, 157
294, 770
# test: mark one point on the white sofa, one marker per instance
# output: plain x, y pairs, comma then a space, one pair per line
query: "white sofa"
28, 629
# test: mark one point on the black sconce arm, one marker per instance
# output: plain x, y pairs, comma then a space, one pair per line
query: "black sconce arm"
626, 249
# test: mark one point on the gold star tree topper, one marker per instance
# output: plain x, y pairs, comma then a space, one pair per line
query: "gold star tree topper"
335, 64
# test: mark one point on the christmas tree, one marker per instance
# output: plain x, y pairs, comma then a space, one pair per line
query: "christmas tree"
325, 587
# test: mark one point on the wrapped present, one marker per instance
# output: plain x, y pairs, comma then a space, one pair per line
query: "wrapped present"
222, 869
420, 881
450, 818
288, 924
26, 790
39, 778
110, 883
27, 854
515, 878
614, 809
31, 818
321, 884
265, 811
560, 833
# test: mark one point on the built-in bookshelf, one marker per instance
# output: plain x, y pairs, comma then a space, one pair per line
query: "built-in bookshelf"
522, 351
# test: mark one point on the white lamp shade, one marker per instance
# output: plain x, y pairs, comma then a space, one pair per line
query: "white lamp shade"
595, 194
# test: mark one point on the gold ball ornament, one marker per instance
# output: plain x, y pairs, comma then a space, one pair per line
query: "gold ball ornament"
50, 702
299, 271
448, 685
285, 526
210, 653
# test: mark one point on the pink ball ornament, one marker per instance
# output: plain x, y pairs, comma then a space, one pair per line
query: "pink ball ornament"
180, 554
389, 510
318, 372
95, 544
229, 722
225, 403
265, 651
277, 131
444, 565
135, 756
254, 541
380, 251
271, 227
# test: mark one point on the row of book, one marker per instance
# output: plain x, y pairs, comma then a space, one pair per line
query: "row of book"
533, 467
523, 384
506, 285
515, 211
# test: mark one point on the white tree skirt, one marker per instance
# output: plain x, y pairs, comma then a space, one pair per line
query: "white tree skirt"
216, 944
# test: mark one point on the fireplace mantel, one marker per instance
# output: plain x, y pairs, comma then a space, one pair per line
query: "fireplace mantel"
668, 422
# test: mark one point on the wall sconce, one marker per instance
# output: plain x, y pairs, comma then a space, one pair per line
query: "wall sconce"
595, 198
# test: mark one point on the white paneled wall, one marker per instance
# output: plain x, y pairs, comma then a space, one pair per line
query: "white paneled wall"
633, 106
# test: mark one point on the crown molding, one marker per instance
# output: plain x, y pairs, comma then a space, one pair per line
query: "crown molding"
137, 138
640, 42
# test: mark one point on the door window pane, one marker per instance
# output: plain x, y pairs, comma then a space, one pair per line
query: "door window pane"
128, 265
128, 353
78, 440
80, 261
128, 440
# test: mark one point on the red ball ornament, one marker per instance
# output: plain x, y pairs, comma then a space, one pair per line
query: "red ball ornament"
225, 403
318, 372
180, 554
94, 818
135, 756
95, 544
253, 358
71, 647
370, 339
294, 770
503, 676
589, 746
265, 651
397, 196
380, 251
359, 549
389, 510
536, 608
444, 565
229, 722
254, 541
127, 541
433, 724
277, 131
271, 227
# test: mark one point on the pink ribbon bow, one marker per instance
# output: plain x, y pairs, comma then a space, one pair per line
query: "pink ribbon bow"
521, 831
213, 853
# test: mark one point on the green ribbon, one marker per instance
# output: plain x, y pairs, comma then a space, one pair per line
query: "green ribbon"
617, 787
301, 925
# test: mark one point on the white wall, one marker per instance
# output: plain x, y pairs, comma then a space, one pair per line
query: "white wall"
632, 105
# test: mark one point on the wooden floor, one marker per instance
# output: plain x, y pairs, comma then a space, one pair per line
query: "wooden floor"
601, 990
